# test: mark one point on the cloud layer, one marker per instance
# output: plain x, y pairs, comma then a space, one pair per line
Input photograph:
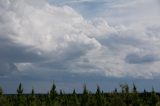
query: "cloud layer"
38, 36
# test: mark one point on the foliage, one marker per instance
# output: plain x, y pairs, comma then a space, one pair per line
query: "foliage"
127, 97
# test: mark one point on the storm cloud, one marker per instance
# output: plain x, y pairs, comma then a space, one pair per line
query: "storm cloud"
43, 37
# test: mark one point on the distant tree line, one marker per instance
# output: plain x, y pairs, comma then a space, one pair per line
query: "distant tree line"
127, 97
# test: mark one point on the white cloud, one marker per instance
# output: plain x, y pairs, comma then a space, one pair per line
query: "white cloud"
128, 12
60, 39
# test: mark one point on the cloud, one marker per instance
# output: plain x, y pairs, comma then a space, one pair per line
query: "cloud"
6, 67
43, 34
45, 38
11, 53
129, 12
138, 59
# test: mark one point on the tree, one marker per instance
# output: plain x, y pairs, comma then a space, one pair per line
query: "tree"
75, 101
85, 96
32, 98
116, 100
134, 89
135, 97
99, 97
1, 91
53, 94
20, 99
115, 91
154, 98
61, 92
3, 100
125, 93
145, 97
20, 89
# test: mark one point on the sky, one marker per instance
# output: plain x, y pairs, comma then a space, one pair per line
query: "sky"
76, 42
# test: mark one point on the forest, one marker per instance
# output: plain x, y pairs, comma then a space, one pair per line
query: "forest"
126, 97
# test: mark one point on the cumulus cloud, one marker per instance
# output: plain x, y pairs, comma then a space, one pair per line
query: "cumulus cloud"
38, 36
45, 33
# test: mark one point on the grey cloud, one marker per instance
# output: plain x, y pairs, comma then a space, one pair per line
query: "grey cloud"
6, 68
43, 38
21, 41
12, 53
69, 58
153, 31
141, 59
114, 40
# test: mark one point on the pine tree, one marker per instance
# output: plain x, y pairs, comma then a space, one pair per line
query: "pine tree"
20, 90
75, 101
92, 100
3, 101
116, 100
145, 97
33, 98
85, 96
125, 94
135, 97
1, 91
53, 94
20, 99
154, 98
99, 97
61, 92
134, 88
48, 100
115, 91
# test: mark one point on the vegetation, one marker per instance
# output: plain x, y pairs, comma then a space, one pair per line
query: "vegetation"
127, 97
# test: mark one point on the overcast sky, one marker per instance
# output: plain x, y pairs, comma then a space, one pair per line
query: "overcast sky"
73, 42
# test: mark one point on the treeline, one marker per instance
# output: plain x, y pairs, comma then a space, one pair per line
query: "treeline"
127, 97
